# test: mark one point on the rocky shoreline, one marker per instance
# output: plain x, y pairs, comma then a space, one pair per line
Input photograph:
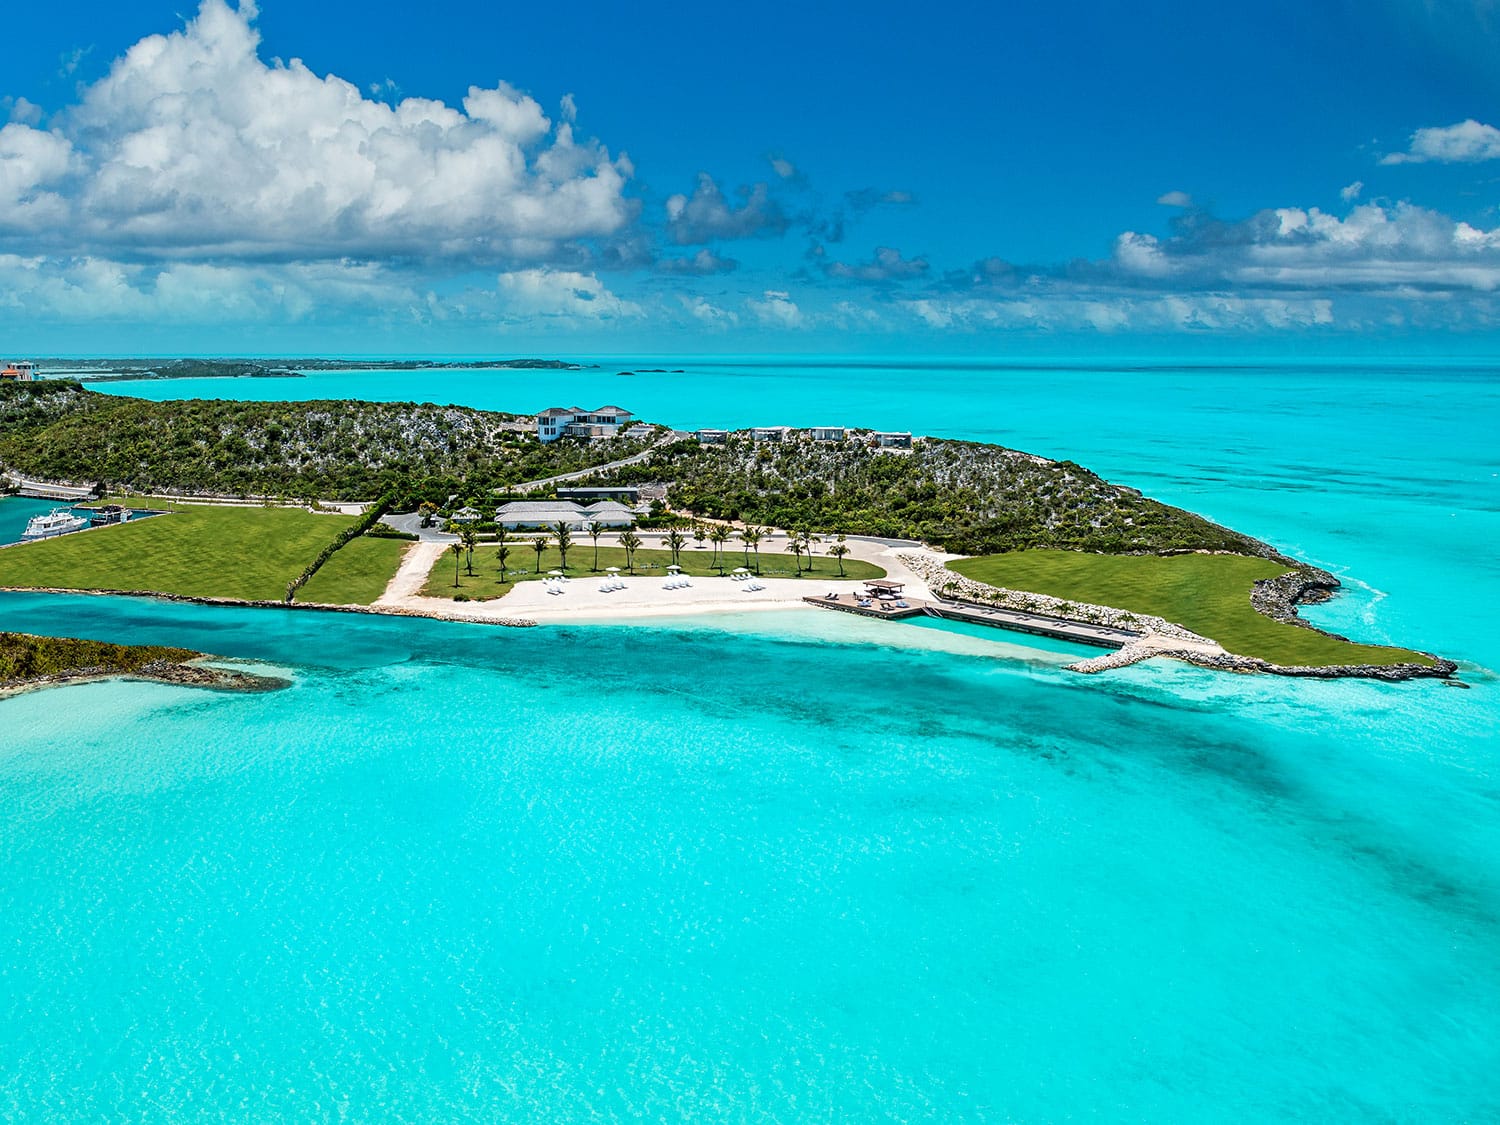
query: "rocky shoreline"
180, 673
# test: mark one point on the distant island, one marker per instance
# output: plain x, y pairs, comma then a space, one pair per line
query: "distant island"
105, 370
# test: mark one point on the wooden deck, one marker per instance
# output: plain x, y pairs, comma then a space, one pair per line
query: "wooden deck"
1037, 624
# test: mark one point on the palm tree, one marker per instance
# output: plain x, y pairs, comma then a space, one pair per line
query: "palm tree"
564, 535
838, 551
808, 539
539, 545
794, 541
596, 529
630, 541
676, 541
752, 537
457, 548
718, 535
468, 538
502, 556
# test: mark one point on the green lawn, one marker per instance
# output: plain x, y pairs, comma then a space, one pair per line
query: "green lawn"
1210, 594
199, 551
357, 574
522, 567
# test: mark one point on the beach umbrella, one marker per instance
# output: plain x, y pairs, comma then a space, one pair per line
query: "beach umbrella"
674, 566
611, 570
741, 570
554, 574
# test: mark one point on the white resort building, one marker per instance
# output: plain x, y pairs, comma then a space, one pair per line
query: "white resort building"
548, 513
827, 433
575, 421
892, 440
770, 433
712, 437
20, 371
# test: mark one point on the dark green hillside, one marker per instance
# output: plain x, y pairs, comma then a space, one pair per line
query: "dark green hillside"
968, 497
328, 449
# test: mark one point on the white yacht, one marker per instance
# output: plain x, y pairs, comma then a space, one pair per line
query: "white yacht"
59, 521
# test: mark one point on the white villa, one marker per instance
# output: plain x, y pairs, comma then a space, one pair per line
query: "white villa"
827, 433
548, 513
575, 421
892, 440
712, 437
22, 371
770, 433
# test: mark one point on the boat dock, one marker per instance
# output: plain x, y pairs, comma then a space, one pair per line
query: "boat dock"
884, 600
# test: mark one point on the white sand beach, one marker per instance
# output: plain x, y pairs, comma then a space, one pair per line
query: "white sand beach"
643, 596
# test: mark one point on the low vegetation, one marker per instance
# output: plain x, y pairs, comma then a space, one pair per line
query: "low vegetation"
1209, 594
24, 657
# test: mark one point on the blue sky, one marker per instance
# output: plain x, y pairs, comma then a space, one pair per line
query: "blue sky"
481, 178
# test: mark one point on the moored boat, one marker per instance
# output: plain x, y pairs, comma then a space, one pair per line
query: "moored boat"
59, 521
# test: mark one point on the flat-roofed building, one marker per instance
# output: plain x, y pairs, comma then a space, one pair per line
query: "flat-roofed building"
770, 433
712, 437
827, 433
892, 439
548, 513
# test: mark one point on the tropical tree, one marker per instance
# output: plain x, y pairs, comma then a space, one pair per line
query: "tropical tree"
699, 532
718, 535
808, 539
468, 538
539, 545
457, 548
838, 551
427, 510
564, 535
676, 541
502, 556
596, 529
631, 542
752, 537
794, 541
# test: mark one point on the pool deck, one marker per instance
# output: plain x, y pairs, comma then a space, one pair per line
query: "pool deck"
1080, 632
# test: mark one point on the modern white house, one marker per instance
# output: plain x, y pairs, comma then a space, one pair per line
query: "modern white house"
827, 433
712, 437
575, 421
21, 371
548, 513
770, 433
892, 439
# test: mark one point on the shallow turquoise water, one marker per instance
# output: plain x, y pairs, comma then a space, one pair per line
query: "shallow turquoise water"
787, 869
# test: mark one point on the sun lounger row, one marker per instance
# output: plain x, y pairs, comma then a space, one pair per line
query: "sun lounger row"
610, 585
753, 585
677, 583
553, 585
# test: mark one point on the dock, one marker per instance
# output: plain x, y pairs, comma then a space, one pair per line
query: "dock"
893, 607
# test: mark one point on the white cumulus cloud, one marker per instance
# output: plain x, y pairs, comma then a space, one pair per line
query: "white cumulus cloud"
777, 309
561, 293
193, 147
1465, 143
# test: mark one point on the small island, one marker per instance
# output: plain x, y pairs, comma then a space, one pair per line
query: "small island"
352, 505
28, 662
121, 370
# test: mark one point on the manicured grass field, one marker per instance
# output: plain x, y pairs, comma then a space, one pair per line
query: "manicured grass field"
197, 550
522, 567
357, 574
1210, 594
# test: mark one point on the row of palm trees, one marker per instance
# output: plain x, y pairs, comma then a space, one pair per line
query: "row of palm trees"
799, 542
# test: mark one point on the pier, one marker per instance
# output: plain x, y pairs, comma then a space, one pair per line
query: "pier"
884, 600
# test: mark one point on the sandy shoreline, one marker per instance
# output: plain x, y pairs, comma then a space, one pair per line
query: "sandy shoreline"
643, 597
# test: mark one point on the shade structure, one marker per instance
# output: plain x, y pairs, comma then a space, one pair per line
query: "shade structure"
611, 570
673, 567
740, 570
554, 574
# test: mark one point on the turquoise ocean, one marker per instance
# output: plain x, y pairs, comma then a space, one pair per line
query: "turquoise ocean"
798, 867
